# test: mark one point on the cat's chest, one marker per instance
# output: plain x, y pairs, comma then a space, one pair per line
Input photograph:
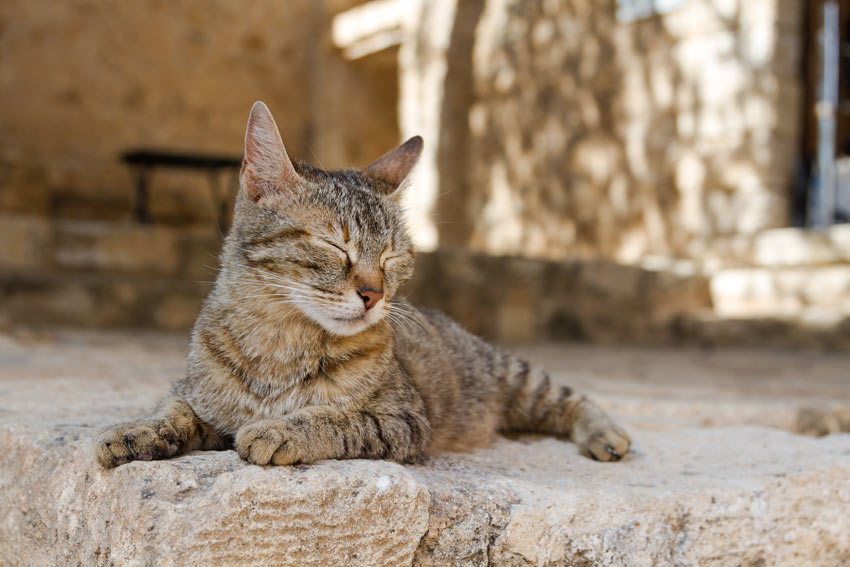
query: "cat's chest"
284, 378
279, 380
251, 367
230, 403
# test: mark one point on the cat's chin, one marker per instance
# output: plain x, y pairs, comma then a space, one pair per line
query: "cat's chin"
349, 327
346, 326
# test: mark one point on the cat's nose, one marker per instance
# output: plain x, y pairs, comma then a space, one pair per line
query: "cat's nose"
370, 296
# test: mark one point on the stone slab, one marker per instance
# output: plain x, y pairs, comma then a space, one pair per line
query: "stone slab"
795, 247
688, 495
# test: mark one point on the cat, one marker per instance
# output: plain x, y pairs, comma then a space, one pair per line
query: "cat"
303, 352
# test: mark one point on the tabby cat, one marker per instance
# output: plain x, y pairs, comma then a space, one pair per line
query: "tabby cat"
302, 352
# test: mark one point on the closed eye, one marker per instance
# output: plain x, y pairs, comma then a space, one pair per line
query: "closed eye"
343, 251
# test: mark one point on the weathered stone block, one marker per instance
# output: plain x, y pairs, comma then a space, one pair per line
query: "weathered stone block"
780, 291
560, 136
25, 242
520, 299
100, 300
800, 247
728, 496
114, 247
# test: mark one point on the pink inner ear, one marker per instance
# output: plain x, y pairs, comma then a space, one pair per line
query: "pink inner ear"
395, 165
266, 169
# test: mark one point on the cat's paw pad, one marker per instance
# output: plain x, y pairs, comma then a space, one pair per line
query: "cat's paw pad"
605, 442
140, 441
266, 442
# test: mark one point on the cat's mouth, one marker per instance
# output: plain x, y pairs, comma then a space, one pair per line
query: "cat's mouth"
344, 322
350, 319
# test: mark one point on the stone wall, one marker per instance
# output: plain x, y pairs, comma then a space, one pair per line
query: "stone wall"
564, 132
98, 274
83, 81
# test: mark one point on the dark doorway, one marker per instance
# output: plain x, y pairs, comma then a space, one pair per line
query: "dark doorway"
811, 74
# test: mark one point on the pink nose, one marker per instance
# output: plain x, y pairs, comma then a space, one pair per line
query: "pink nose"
370, 296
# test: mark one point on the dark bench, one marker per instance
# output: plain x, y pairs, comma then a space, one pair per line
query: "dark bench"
143, 161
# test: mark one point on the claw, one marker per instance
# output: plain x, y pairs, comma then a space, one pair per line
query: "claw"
128, 439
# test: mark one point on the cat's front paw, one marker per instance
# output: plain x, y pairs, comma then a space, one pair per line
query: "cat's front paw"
137, 441
267, 442
603, 440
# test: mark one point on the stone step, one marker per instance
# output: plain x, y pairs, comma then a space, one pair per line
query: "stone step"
134, 248
38, 243
725, 497
100, 300
720, 496
795, 247
819, 292
821, 331
109, 275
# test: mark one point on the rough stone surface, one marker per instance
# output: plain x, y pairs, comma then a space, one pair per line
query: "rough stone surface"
565, 131
791, 273
793, 247
101, 300
540, 300
748, 292
688, 495
25, 241
121, 248
822, 334
117, 274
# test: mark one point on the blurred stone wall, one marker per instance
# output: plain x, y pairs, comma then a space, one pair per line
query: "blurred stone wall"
80, 273
84, 80
563, 132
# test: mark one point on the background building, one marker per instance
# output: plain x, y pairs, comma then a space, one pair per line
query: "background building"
667, 140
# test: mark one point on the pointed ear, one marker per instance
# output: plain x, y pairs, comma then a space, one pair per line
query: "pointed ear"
266, 168
394, 166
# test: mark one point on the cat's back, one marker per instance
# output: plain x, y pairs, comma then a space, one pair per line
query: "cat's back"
428, 333
450, 368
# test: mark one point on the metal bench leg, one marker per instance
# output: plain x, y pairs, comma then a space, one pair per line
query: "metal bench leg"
141, 213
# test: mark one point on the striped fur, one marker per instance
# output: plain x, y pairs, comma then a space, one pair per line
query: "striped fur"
287, 364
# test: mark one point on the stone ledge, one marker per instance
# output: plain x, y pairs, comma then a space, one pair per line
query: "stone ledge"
100, 299
727, 496
686, 496
753, 292
536, 300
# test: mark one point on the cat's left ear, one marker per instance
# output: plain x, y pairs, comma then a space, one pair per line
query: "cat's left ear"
267, 172
393, 167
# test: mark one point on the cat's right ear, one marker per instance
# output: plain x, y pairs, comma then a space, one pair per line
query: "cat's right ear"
393, 167
267, 172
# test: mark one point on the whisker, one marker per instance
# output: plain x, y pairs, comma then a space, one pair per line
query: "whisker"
392, 326
279, 280
400, 321
408, 316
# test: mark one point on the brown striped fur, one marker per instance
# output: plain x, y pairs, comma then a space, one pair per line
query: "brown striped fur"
288, 365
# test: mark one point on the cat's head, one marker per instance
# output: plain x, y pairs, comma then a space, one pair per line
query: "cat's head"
331, 244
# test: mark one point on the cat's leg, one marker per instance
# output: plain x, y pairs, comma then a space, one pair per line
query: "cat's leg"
172, 430
323, 432
533, 404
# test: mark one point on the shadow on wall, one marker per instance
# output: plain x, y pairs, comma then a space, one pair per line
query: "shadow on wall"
564, 132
